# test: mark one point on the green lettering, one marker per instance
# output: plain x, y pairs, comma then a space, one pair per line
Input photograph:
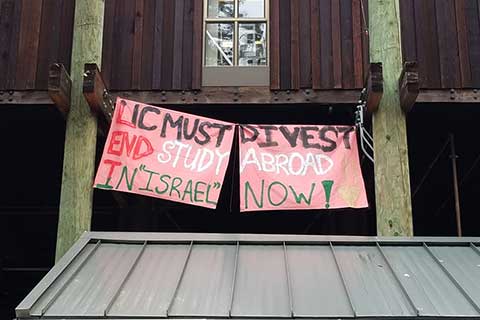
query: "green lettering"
208, 192
188, 190
125, 174
198, 192
175, 185
299, 197
247, 188
151, 173
164, 182
285, 190
106, 185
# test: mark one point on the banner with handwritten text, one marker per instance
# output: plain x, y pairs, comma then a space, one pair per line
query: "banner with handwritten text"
285, 167
165, 154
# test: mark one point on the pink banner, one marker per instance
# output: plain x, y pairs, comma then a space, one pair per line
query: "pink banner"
165, 154
286, 167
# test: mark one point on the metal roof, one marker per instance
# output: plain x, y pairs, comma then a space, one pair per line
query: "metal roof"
154, 275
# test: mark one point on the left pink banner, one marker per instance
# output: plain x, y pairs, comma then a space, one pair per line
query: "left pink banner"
165, 154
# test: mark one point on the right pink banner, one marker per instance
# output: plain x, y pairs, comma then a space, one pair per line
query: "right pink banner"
284, 167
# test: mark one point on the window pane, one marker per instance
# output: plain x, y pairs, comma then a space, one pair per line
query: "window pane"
220, 8
252, 48
219, 44
251, 8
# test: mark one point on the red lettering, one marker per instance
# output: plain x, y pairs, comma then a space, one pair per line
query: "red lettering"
119, 119
130, 145
112, 164
148, 151
115, 146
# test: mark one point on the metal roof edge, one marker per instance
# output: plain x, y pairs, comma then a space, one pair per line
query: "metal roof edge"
273, 238
23, 309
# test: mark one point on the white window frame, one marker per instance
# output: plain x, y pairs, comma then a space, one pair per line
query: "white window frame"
236, 75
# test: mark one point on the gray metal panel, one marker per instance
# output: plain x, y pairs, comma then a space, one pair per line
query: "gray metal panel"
206, 285
463, 263
316, 284
272, 238
60, 281
373, 288
427, 285
25, 307
151, 286
90, 291
261, 287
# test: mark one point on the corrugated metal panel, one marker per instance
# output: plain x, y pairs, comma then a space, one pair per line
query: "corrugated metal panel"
150, 288
61, 281
261, 287
463, 263
90, 291
313, 270
428, 286
228, 276
206, 286
373, 288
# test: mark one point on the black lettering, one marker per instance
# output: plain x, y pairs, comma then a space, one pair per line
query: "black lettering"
221, 132
178, 124
346, 135
135, 112
290, 136
144, 111
186, 135
332, 144
205, 134
268, 136
305, 136
244, 139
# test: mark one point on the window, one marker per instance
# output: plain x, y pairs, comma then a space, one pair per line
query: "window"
236, 42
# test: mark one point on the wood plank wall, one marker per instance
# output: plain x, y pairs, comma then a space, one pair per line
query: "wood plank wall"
152, 44
319, 44
33, 34
444, 37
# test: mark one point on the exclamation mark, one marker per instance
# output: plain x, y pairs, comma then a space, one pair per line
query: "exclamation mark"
327, 186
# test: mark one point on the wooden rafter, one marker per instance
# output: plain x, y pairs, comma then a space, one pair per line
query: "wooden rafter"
408, 85
59, 87
97, 95
374, 86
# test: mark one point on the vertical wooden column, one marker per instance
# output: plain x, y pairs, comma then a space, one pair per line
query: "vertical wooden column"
81, 132
392, 180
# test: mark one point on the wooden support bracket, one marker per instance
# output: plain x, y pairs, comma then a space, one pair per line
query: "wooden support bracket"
59, 87
408, 85
97, 96
374, 86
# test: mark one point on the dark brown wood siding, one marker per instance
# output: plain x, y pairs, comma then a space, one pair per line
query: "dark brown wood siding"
33, 34
150, 44
317, 44
443, 36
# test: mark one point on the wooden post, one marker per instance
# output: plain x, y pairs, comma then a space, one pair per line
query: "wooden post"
81, 132
392, 181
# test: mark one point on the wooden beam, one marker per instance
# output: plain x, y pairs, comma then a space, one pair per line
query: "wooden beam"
59, 87
392, 177
76, 198
25, 97
207, 95
449, 96
408, 85
374, 86
98, 98
242, 95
